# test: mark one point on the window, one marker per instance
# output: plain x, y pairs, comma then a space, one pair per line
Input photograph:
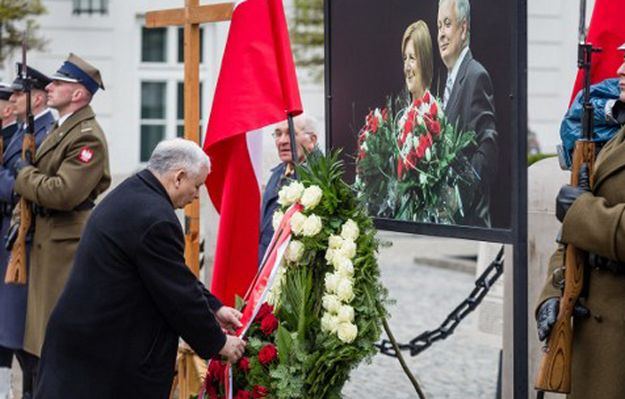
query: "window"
181, 45
180, 110
154, 45
153, 114
90, 7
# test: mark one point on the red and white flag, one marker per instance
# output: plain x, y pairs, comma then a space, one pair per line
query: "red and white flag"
257, 87
606, 31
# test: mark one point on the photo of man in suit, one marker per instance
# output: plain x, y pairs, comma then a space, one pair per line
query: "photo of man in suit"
306, 138
468, 100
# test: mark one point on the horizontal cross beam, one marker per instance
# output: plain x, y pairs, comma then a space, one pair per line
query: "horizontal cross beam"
196, 15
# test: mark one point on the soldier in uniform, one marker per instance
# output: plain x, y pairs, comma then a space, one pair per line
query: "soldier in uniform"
593, 220
69, 171
12, 296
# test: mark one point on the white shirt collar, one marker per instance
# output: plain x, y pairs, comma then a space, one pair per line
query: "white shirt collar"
456, 67
64, 118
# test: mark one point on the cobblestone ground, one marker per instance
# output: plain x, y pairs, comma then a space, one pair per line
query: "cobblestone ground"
459, 367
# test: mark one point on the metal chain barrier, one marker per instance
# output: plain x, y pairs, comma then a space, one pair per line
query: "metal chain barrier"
424, 340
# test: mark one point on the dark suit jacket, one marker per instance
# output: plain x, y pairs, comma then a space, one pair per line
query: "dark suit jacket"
268, 207
471, 107
114, 331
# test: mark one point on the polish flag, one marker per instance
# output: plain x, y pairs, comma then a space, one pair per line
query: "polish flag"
257, 87
606, 31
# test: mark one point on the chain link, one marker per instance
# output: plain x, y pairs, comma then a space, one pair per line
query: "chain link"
424, 340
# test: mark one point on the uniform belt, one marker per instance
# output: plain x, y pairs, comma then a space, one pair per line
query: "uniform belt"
47, 212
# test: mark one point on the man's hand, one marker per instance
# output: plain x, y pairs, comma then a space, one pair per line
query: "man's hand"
548, 314
229, 318
22, 163
568, 194
233, 349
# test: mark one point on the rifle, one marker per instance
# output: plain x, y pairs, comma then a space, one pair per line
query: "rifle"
16, 269
554, 373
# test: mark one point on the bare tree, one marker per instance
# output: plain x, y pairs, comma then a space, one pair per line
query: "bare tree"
17, 18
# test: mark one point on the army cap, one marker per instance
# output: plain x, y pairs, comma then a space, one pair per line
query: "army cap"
37, 79
5, 91
77, 70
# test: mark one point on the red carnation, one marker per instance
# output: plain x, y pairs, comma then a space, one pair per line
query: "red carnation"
259, 391
436, 128
418, 102
400, 169
384, 114
264, 310
242, 394
426, 97
421, 148
244, 364
269, 324
267, 354
434, 110
373, 123
216, 369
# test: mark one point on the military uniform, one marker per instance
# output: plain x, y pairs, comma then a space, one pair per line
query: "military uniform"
70, 169
596, 223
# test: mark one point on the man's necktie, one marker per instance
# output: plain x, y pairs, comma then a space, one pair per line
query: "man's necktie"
447, 93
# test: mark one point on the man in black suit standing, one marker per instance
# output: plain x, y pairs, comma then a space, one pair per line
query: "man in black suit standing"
469, 105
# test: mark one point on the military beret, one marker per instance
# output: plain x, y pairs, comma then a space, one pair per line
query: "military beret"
77, 70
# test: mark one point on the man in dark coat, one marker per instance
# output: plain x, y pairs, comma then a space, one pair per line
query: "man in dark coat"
306, 138
469, 105
115, 329
13, 296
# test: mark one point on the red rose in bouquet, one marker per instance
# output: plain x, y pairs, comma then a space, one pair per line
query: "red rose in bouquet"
260, 391
269, 324
267, 354
244, 364
243, 394
216, 369
264, 310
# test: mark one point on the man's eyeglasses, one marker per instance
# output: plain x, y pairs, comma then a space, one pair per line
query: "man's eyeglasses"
278, 134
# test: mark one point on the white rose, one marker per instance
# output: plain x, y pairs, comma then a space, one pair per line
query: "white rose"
348, 249
349, 230
331, 303
364, 146
345, 314
311, 197
282, 197
294, 192
276, 219
335, 242
331, 281
330, 255
419, 120
343, 266
297, 223
345, 290
329, 323
294, 251
347, 332
311, 226
377, 113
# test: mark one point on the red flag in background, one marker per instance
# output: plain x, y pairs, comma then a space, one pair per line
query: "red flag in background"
606, 31
257, 86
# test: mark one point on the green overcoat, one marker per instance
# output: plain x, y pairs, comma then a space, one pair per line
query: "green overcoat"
70, 167
596, 223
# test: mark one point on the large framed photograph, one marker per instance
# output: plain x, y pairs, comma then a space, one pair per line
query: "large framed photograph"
427, 101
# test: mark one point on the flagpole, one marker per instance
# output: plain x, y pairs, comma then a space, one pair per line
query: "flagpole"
294, 157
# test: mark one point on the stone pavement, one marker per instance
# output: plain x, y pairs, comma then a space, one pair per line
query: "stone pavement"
459, 367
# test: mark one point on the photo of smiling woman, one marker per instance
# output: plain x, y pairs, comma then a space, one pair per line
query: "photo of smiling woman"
409, 161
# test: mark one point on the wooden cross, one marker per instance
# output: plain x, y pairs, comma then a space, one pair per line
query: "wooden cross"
191, 16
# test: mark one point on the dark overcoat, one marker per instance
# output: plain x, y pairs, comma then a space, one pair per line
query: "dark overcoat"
71, 168
471, 107
269, 206
13, 296
596, 223
114, 332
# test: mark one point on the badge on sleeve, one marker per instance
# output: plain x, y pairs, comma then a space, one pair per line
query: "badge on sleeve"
85, 154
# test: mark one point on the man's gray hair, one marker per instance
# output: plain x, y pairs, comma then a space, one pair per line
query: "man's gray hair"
463, 13
309, 123
176, 154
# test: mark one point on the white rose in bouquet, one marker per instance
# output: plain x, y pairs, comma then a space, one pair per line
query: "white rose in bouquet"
294, 192
331, 303
347, 332
312, 226
294, 251
345, 314
311, 197
348, 249
276, 219
330, 255
282, 197
297, 223
329, 323
343, 266
345, 290
331, 281
335, 242
350, 230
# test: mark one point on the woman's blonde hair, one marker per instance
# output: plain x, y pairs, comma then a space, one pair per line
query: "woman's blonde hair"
422, 42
